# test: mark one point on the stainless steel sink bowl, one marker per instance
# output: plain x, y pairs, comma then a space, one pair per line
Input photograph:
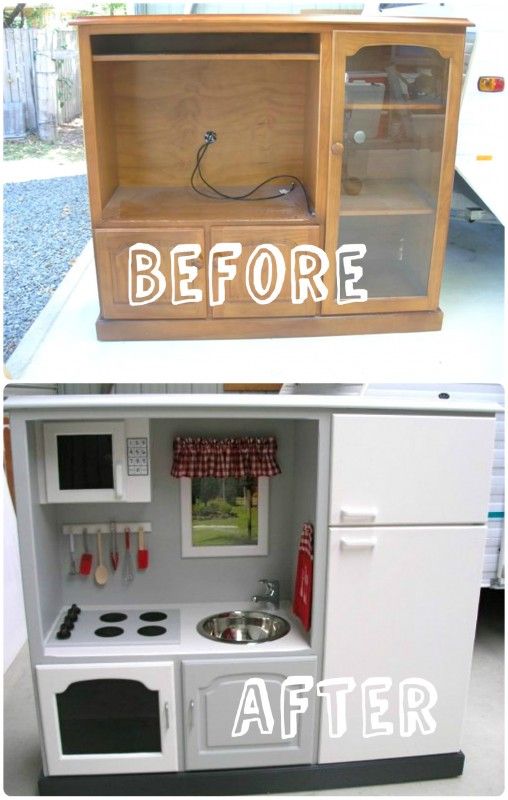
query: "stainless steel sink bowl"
243, 627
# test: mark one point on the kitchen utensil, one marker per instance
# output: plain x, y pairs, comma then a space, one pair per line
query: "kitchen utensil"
85, 564
72, 554
101, 573
128, 570
142, 552
115, 558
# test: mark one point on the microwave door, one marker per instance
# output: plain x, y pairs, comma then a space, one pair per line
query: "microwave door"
85, 461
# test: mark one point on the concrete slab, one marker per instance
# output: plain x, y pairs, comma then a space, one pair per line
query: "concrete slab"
468, 349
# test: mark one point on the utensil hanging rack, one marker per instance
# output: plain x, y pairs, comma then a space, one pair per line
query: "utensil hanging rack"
92, 528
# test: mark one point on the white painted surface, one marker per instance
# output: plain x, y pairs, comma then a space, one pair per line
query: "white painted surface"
76, 528
410, 469
467, 349
493, 564
14, 609
212, 696
89, 620
404, 608
156, 677
191, 642
127, 488
167, 404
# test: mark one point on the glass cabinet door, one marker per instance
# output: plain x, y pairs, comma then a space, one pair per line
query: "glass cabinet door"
388, 140
108, 718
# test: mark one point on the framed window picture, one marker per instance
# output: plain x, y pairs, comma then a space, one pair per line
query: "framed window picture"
224, 516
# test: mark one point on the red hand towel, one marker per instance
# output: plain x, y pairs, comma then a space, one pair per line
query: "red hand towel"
302, 600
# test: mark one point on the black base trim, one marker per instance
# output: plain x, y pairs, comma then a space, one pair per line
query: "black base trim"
265, 780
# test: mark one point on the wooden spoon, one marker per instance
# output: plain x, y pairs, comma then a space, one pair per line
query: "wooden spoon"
101, 573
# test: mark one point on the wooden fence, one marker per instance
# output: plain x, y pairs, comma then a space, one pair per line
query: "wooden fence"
41, 81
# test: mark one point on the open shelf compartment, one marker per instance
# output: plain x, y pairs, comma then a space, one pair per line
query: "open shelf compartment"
214, 44
151, 117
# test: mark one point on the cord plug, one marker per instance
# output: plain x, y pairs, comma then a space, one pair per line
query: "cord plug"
210, 137
283, 190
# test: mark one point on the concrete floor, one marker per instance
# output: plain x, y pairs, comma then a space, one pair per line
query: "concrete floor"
483, 740
467, 349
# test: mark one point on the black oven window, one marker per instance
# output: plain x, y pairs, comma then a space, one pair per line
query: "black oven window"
85, 461
108, 716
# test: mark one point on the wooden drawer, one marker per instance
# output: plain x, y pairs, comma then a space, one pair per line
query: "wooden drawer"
410, 469
112, 260
238, 302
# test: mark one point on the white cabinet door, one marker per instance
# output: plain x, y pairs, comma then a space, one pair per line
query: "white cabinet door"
396, 469
213, 693
401, 605
108, 718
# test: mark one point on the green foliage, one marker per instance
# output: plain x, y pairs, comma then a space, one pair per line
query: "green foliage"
225, 531
19, 16
45, 14
101, 9
217, 507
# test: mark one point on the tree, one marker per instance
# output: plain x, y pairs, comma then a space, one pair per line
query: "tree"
14, 17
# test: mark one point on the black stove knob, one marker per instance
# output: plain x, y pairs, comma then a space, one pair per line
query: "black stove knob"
68, 622
63, 633
71, 615
75, 608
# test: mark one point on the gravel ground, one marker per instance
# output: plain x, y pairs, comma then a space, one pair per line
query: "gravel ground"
46, 226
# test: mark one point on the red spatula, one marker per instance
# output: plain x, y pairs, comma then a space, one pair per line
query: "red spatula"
85, 564
142, 552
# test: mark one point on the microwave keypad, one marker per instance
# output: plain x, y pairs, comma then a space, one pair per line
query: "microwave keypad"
137, 456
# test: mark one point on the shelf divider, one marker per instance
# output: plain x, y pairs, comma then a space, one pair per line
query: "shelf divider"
208, 57
380, 197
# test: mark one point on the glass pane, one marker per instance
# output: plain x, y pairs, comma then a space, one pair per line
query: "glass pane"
393, 136
108, 716
224, 512
85, 461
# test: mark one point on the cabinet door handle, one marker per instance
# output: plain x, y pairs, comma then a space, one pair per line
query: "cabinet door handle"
337, 148
358, 543
191, 713
166, 715
118, 480
358, 515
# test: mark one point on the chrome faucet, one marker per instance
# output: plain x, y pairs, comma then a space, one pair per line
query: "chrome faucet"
272, 593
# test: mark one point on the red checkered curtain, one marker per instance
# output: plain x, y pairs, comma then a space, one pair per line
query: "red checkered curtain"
253, 457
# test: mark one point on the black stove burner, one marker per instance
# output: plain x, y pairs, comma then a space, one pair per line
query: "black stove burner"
151, 630
109, 630
113, 616
152, 616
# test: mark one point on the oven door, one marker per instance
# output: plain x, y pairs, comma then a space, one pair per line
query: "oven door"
84, 461
108, 718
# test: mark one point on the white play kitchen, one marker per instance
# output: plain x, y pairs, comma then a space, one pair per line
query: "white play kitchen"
231, 594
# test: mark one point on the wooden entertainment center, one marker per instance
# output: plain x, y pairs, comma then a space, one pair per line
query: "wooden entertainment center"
354, 119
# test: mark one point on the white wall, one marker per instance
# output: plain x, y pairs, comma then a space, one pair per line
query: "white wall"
14, 610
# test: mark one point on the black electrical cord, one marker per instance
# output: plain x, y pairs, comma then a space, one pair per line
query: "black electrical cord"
210, 138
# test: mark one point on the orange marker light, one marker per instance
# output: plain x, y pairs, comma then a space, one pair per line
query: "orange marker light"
490, 83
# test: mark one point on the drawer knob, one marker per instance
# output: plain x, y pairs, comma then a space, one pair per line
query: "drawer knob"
337, 148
